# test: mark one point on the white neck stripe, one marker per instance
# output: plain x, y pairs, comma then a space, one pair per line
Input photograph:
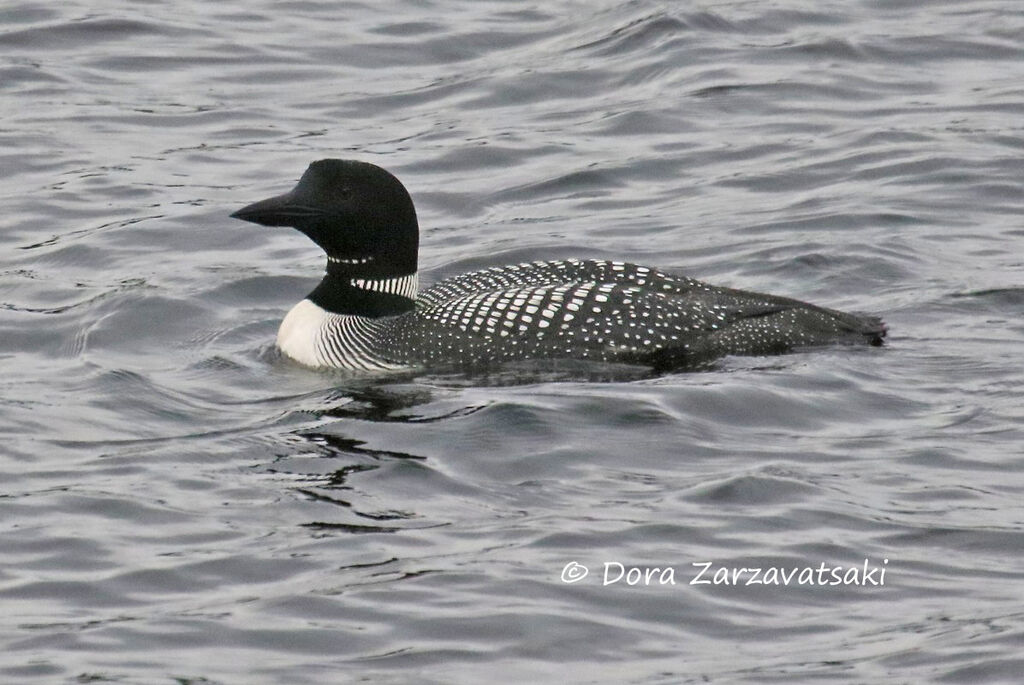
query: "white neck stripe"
406, 286
358, 260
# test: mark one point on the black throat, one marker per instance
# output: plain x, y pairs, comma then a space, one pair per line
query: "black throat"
337, 292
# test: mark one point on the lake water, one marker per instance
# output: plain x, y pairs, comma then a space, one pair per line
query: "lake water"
180, 505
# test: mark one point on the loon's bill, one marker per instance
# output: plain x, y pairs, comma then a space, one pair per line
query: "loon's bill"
367, 312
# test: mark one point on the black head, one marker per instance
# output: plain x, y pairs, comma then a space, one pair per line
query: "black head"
360, 214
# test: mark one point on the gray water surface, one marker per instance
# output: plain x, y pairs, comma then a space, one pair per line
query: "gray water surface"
178, 504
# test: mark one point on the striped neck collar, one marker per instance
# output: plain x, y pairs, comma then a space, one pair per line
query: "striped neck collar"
355, 261
405, 286
349, 289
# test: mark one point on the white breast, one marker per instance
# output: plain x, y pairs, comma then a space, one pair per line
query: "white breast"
300, 332
315, 337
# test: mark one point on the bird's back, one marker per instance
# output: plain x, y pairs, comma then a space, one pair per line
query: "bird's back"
605, 311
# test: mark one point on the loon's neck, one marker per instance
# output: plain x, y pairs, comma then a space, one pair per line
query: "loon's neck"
357, 287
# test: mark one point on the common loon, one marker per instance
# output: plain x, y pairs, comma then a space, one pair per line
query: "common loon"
367, 313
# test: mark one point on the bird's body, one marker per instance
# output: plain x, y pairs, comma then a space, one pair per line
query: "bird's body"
367, 314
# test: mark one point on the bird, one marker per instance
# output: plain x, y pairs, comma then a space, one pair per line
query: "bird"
367, 314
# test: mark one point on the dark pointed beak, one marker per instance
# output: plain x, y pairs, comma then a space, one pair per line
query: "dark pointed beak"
282, 210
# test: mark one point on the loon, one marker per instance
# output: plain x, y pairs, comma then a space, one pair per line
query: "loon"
368, 314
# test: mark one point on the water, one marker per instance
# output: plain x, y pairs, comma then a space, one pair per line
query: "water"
179, 505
